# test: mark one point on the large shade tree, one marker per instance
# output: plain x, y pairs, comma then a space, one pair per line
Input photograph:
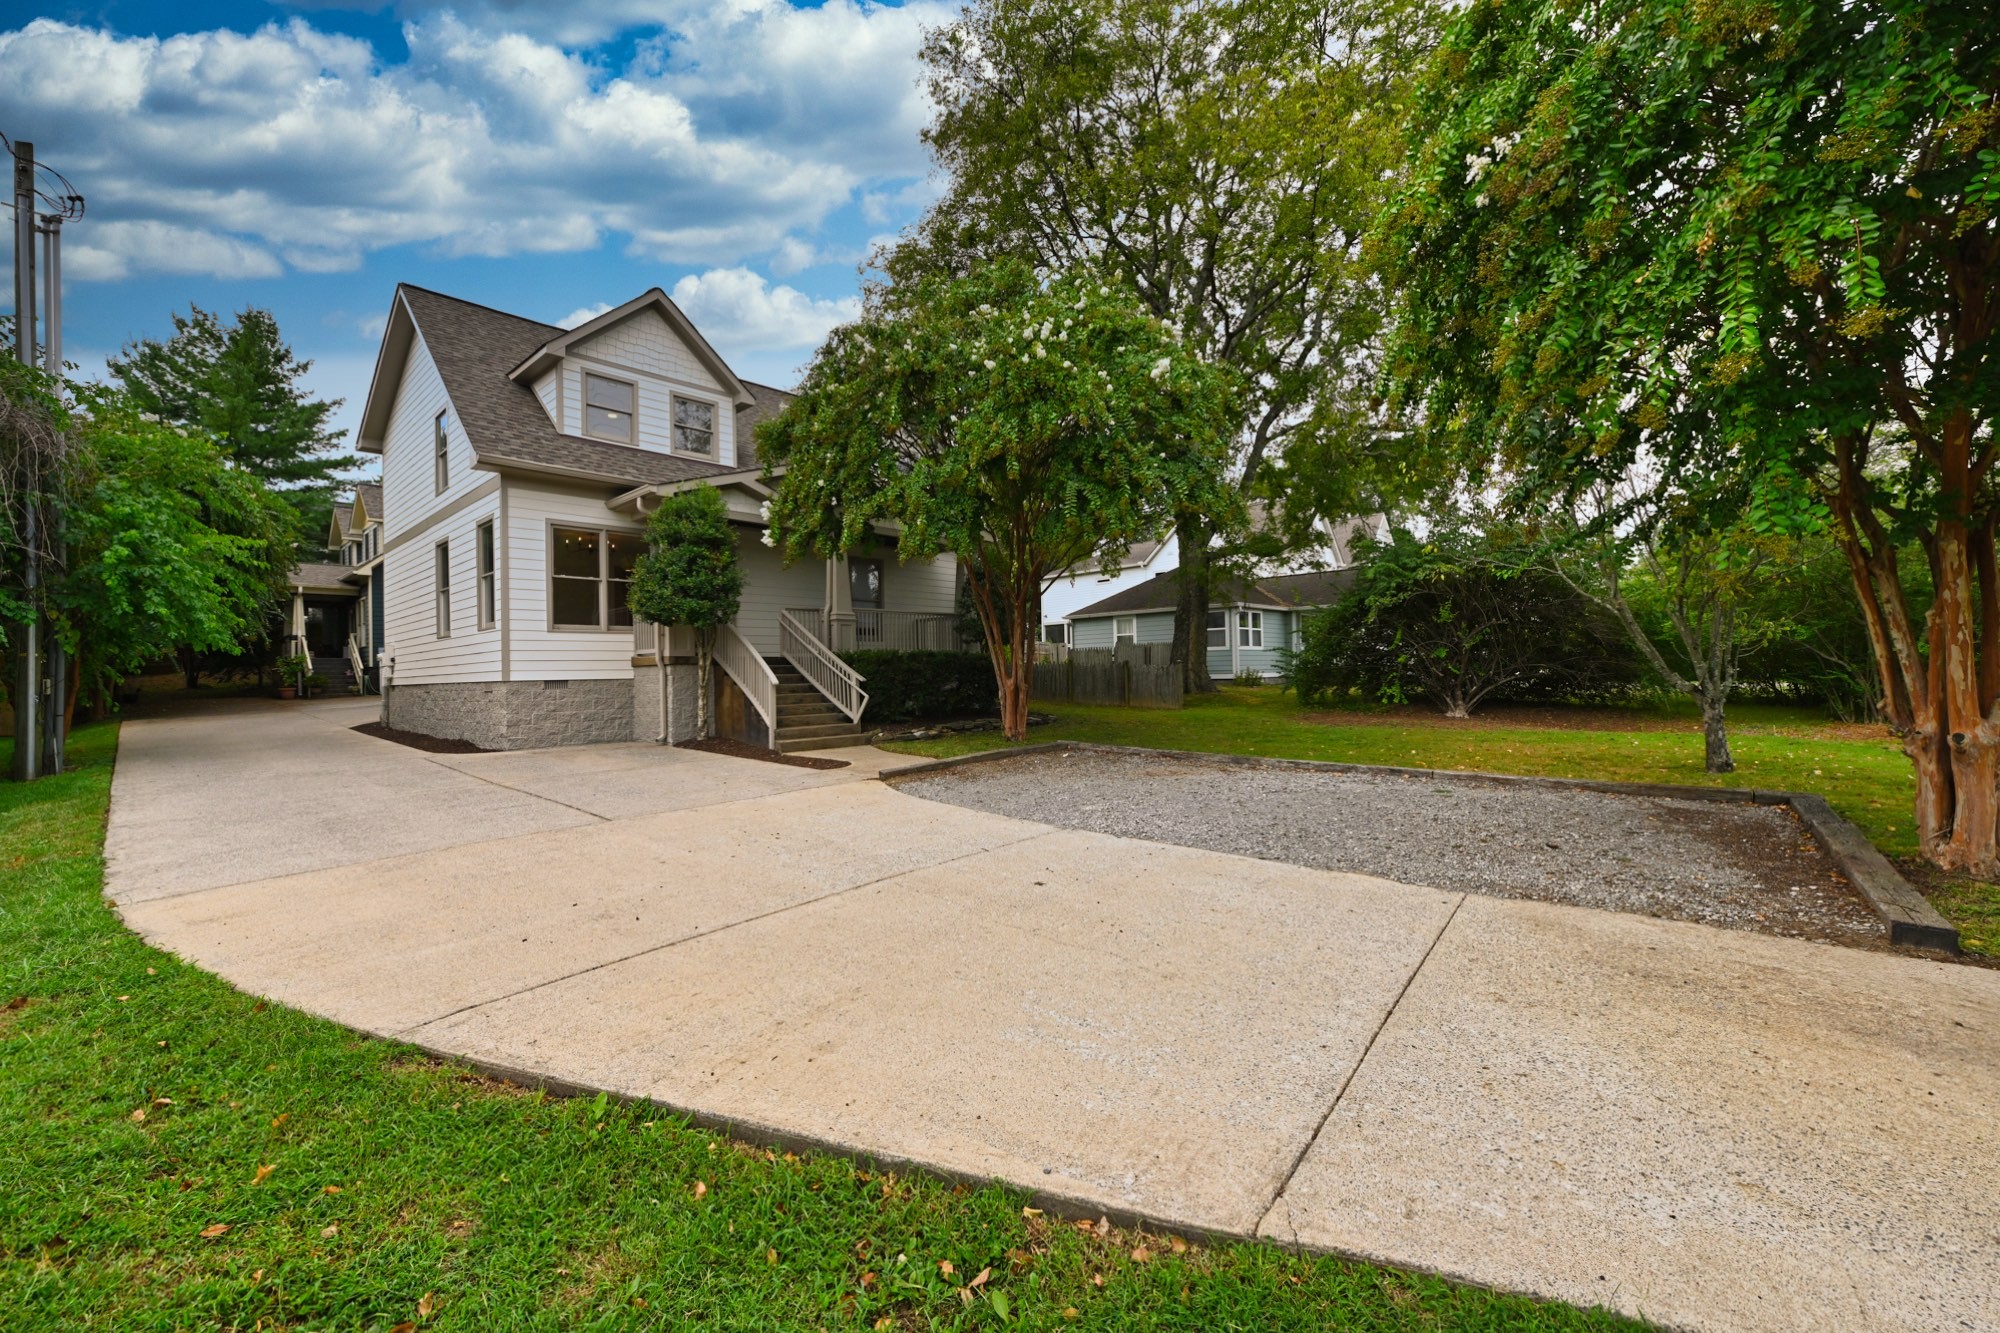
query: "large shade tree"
689, 576
1025, 423
1758, 237
241, 385
1225, 161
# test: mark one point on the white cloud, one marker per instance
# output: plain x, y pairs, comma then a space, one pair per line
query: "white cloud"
739, 125
583, 315
735, 308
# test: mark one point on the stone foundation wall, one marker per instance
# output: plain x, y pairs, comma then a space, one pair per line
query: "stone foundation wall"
515, 715
646, 700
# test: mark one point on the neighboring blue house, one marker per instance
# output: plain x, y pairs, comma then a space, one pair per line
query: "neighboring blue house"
1251, 622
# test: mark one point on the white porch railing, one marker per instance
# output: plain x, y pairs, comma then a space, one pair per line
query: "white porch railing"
354, 664
751, 673
896, 631
839, 682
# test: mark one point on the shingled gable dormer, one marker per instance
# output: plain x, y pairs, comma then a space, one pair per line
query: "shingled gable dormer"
640, 375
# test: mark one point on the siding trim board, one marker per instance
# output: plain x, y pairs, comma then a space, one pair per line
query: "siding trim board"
490, 486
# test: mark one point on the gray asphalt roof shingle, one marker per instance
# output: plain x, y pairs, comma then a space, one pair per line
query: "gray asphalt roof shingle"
475, 346
319, 574
1162, 593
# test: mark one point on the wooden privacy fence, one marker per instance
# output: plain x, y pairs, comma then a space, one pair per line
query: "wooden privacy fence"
1129, 674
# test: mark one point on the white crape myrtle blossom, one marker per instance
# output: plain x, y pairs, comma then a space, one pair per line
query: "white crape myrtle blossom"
1161, 367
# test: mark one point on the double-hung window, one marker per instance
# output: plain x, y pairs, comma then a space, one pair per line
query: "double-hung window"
488, 602
1218, 629
694, 426
590, 571
1124, 629
440, 455
1250, 629
443, 580
607, 408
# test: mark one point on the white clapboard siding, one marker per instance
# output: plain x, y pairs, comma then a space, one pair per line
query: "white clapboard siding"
769, 587
645, 351
409, 477
409, 622
535, 651
547, 390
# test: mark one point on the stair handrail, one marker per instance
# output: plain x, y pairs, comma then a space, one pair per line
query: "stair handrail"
747, 667
354, 665
839, 682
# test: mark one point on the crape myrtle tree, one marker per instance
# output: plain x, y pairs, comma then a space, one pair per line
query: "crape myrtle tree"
1024, 422
689, 575
1761, 237
1223, 160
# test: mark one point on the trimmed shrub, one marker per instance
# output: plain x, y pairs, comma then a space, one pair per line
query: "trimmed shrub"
917, 687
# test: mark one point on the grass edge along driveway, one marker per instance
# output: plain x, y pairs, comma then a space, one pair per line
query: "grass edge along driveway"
1868, 781
178, 1154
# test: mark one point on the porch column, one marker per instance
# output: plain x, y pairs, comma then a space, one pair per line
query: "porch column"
839, 606
298, 621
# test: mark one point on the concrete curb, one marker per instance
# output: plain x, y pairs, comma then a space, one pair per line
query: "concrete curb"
1906, 914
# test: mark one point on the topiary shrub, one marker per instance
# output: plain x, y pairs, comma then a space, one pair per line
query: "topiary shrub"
915, 687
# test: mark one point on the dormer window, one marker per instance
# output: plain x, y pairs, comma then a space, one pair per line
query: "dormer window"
607, 408
694, 426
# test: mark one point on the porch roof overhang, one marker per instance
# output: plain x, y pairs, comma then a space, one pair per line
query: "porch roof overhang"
745, 493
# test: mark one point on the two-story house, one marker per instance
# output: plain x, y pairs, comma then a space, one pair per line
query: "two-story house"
519, 461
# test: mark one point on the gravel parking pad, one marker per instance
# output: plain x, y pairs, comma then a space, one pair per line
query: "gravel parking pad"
1743, 867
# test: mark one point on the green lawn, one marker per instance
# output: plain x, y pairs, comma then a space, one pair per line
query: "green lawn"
1869, 781
179, 1155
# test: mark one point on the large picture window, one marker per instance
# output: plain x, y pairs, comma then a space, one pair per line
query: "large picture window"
488, 603
590, 572
694, 426
607, 408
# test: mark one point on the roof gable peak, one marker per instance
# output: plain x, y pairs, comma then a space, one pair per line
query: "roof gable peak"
544, 357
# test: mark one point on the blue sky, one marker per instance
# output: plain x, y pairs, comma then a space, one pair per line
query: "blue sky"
545, 158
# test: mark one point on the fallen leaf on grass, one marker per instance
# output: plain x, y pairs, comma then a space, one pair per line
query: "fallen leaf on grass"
700, 1188
425, 1304
459, 1228
152, 972
283, 1116
257, 1276
1180, 1246
211, 1232
18, 1002
123, 998
1141, 1255
163, 1101
407, 1326
1069, 1312
264, 1173
944, 1266
329, 1231
331, 1189
1031, 1212
1097, 1279
885, 1322
770, 1256
139, 1114
980, 1281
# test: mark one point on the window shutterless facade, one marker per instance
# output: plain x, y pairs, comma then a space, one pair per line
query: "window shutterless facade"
1250, 629
608, 407
488, 602
1124, 629
590, 571
441, 455
694, 426
443, 578
1218, 629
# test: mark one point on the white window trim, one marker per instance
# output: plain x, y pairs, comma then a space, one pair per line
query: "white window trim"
441, 587
1250, 629
583, 406
604, 580
440, 454
714, 453
1119, 635
486, 574
1218, 623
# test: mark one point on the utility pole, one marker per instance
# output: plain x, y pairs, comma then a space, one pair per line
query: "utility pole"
26, 635
55, 715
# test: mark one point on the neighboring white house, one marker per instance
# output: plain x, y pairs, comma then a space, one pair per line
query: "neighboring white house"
518, 463
1252, 623
336, 617
1084, 586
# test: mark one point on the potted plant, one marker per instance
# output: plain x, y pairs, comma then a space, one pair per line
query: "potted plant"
293, 672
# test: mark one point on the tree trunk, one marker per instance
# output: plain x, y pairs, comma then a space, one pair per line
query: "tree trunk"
1191, 606
1715, 736
191, 668
704, 655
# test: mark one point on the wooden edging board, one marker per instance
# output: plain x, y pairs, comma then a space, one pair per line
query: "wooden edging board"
1905, 913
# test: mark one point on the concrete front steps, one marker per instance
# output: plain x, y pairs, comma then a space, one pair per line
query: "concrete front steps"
806, 721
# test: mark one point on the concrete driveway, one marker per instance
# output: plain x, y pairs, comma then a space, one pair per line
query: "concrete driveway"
1706, 1128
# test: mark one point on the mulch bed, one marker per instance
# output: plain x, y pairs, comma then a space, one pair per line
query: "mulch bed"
741, 750
416, 740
